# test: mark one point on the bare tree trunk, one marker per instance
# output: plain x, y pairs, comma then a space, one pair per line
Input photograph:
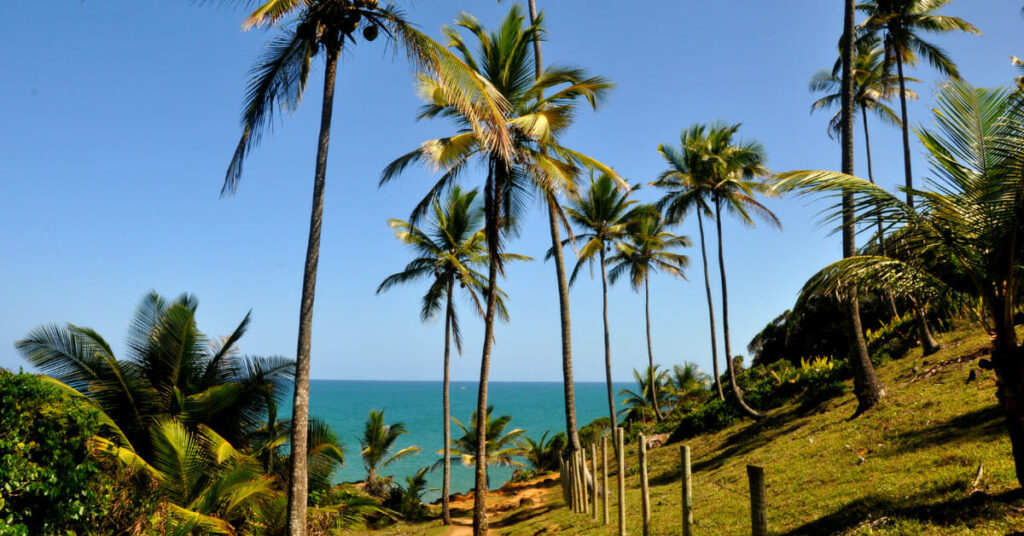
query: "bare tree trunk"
571, 428
711, 307
1008, 364
885, 295
928, 343
725, 320
650, 351
906, 129
492, 208
607, 343
446, 403
298, 485
866, 385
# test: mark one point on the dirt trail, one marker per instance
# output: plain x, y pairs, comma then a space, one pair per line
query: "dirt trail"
526, 496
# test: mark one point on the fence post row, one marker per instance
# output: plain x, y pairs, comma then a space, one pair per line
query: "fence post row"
684, 453
758, 508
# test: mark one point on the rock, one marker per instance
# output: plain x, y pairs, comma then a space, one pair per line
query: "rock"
527, 501
972, 376
656, 441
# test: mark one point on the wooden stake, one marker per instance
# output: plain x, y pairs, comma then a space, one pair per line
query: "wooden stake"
645, 496
620, 440
593, 471
758, 509
604, 477
583, 481
684, 452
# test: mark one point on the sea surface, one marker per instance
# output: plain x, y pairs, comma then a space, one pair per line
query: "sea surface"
535, 407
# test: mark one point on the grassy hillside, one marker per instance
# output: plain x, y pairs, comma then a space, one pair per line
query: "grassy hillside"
907, 467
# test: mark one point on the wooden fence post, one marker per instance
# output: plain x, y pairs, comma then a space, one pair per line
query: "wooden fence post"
758, 509
593, 471
645, 496
563, 478
583, 481
684, 452
581, 499
620, 441
604, 477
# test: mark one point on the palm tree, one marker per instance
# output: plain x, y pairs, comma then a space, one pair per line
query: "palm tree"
601, 214
502, 447
450, 249
901, 22
968, 225
172, 370
543, 455
688, 381
712, 170
646, 250
309, 28
867, 387
377, 443
642, 404
536, 162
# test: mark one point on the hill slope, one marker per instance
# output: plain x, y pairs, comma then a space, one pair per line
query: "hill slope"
907, 467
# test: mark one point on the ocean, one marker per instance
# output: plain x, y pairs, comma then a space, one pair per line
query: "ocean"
535, 407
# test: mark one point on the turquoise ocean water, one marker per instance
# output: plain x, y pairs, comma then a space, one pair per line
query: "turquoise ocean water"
534, 406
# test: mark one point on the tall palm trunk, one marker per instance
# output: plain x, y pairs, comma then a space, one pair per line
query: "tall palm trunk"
881, 230
866, 385
298, 486
909, 177
711, 307
607, 344
571, 429
1008, 363
492, 207
725, 320
650, 350
446, 406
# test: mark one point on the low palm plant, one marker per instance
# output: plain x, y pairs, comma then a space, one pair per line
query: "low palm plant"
640, 404
502, 447
377, 443
689, 382
967, 226
543, 454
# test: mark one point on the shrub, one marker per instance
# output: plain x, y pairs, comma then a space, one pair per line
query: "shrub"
713, 416
892, 340
48, 482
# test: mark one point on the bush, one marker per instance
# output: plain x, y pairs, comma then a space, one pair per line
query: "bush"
48, 482
713, 416
891, 341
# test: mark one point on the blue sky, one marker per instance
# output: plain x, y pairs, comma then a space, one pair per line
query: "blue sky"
118, 118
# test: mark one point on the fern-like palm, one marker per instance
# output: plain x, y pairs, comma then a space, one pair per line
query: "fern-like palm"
378, 442
502, 447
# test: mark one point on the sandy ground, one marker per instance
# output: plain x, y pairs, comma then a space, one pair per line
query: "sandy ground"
527, 496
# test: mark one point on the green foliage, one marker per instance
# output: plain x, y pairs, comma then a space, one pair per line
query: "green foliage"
407, 500
49, 484
893, 340
377, 443
713, 416
543, 455
591, 433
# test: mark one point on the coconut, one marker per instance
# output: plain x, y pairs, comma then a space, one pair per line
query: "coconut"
370, 32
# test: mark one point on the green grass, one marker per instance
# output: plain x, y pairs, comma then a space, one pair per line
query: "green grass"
921, 449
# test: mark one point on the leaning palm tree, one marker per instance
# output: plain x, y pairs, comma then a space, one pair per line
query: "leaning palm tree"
714, 171
601, 215
377, 443
901, 23
535, 163
969, 223
647, 249
450, 249
170, 370
502, 447
308, 28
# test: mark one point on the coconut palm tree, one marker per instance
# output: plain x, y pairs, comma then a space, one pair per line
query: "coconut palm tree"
536, 163
601, 215
646, 250
377, 443
712, 170
688, 381
171, 370
308, 28
450, 249
867, 387
543, 454
968, 223
502, 447
901, 23
641, 405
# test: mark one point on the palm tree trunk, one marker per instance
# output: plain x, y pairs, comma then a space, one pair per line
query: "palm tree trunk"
866, 385
571, 429
492, 208
711, 307
650, 350
725, 320
298, 486
928, 343
1008, 364
906, 129
446, 404
607, 344
887, 296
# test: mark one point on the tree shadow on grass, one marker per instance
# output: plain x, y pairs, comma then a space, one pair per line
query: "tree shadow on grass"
976, 425
877, 510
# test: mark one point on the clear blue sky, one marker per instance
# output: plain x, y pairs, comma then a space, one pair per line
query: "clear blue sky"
118, 118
